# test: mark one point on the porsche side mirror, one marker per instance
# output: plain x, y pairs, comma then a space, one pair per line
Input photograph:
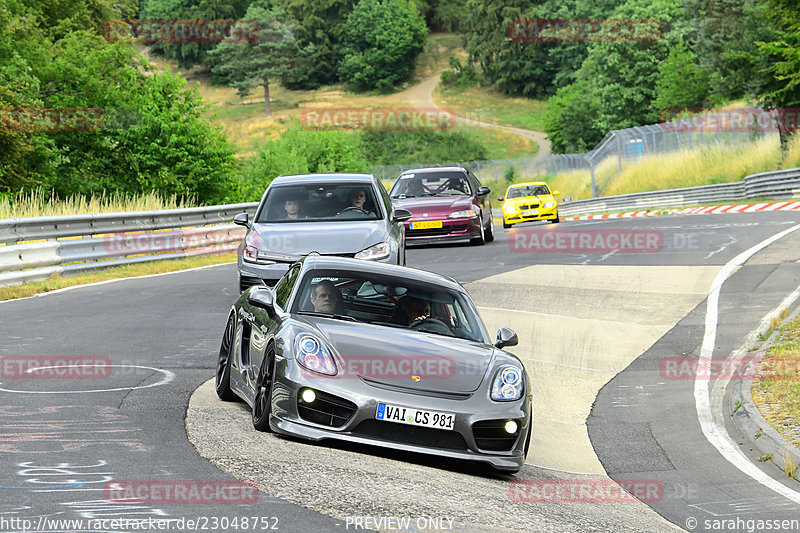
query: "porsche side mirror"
506, 337
242, 219
401, 215
261, 297
482, 191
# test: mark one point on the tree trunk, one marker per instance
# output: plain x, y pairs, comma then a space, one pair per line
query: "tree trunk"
266, 96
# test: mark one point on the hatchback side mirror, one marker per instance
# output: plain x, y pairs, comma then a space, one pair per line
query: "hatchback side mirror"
242, 219
500, 199
401, 215
506, 337
261, 297
482, 191
556, 193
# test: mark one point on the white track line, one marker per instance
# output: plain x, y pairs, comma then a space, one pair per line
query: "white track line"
715, 433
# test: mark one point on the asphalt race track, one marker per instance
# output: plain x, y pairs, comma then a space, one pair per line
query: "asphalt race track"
596, 320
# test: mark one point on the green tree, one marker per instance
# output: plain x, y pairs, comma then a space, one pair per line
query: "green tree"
781, 72
248, 65
681, 84
569, 119
152, 136
320, 26
190, 53
298, 151
383, 39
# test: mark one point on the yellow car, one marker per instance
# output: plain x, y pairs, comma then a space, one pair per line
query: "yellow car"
525, 202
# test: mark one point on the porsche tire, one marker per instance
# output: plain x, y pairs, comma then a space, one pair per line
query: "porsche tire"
262, 402
222, 382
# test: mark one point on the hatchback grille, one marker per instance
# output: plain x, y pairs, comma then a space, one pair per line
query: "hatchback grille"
326, 410
491, 435
416, 436
431, 232
529, 206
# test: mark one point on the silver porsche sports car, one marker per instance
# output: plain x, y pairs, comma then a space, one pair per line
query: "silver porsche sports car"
376, 354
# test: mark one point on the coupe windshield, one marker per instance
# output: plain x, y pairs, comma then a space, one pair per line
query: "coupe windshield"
388, 301
529, 190
315, 202
431, 184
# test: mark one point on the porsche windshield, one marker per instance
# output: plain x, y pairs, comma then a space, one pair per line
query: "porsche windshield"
316, 202
388, 301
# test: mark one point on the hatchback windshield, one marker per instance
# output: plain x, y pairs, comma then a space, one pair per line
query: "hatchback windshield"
388, 301
530, 190
315, 202
431, 184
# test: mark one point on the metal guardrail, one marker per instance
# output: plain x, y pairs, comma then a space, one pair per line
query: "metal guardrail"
35, 248
781, 184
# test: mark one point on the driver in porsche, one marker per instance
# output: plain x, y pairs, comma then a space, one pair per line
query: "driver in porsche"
417, 309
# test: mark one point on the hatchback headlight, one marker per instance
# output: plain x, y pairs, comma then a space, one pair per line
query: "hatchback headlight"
251, 245
549, 204
374, 253
510, 208
466, 213
508, 384
311, 354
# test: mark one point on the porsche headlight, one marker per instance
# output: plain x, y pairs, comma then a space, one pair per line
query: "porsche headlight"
312, 355
508, 385
374, 253
549, 204
466, 213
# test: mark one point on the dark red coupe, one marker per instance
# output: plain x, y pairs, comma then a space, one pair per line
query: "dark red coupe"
447, 204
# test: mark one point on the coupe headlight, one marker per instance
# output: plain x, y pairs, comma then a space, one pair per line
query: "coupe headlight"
373, 253
311, 354
549, 204
508, 385
466, 213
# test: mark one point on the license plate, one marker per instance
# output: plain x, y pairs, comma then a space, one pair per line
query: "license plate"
426, 224
530, 212
415, 417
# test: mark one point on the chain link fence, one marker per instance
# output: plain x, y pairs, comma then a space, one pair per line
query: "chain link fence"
733, 128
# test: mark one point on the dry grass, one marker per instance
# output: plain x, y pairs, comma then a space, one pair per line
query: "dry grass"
38, 203
487, 105
776, 385
127, 271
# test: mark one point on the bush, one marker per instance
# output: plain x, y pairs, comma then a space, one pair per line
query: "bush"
420, 147
383, 39
461, 77
298, 151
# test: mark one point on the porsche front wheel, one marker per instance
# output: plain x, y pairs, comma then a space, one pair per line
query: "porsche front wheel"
262, 403
223, 377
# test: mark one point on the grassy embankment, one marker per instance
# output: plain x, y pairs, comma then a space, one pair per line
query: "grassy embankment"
776, 385
687, 168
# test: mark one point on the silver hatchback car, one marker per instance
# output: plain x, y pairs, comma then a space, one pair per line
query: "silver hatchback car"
346, 215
